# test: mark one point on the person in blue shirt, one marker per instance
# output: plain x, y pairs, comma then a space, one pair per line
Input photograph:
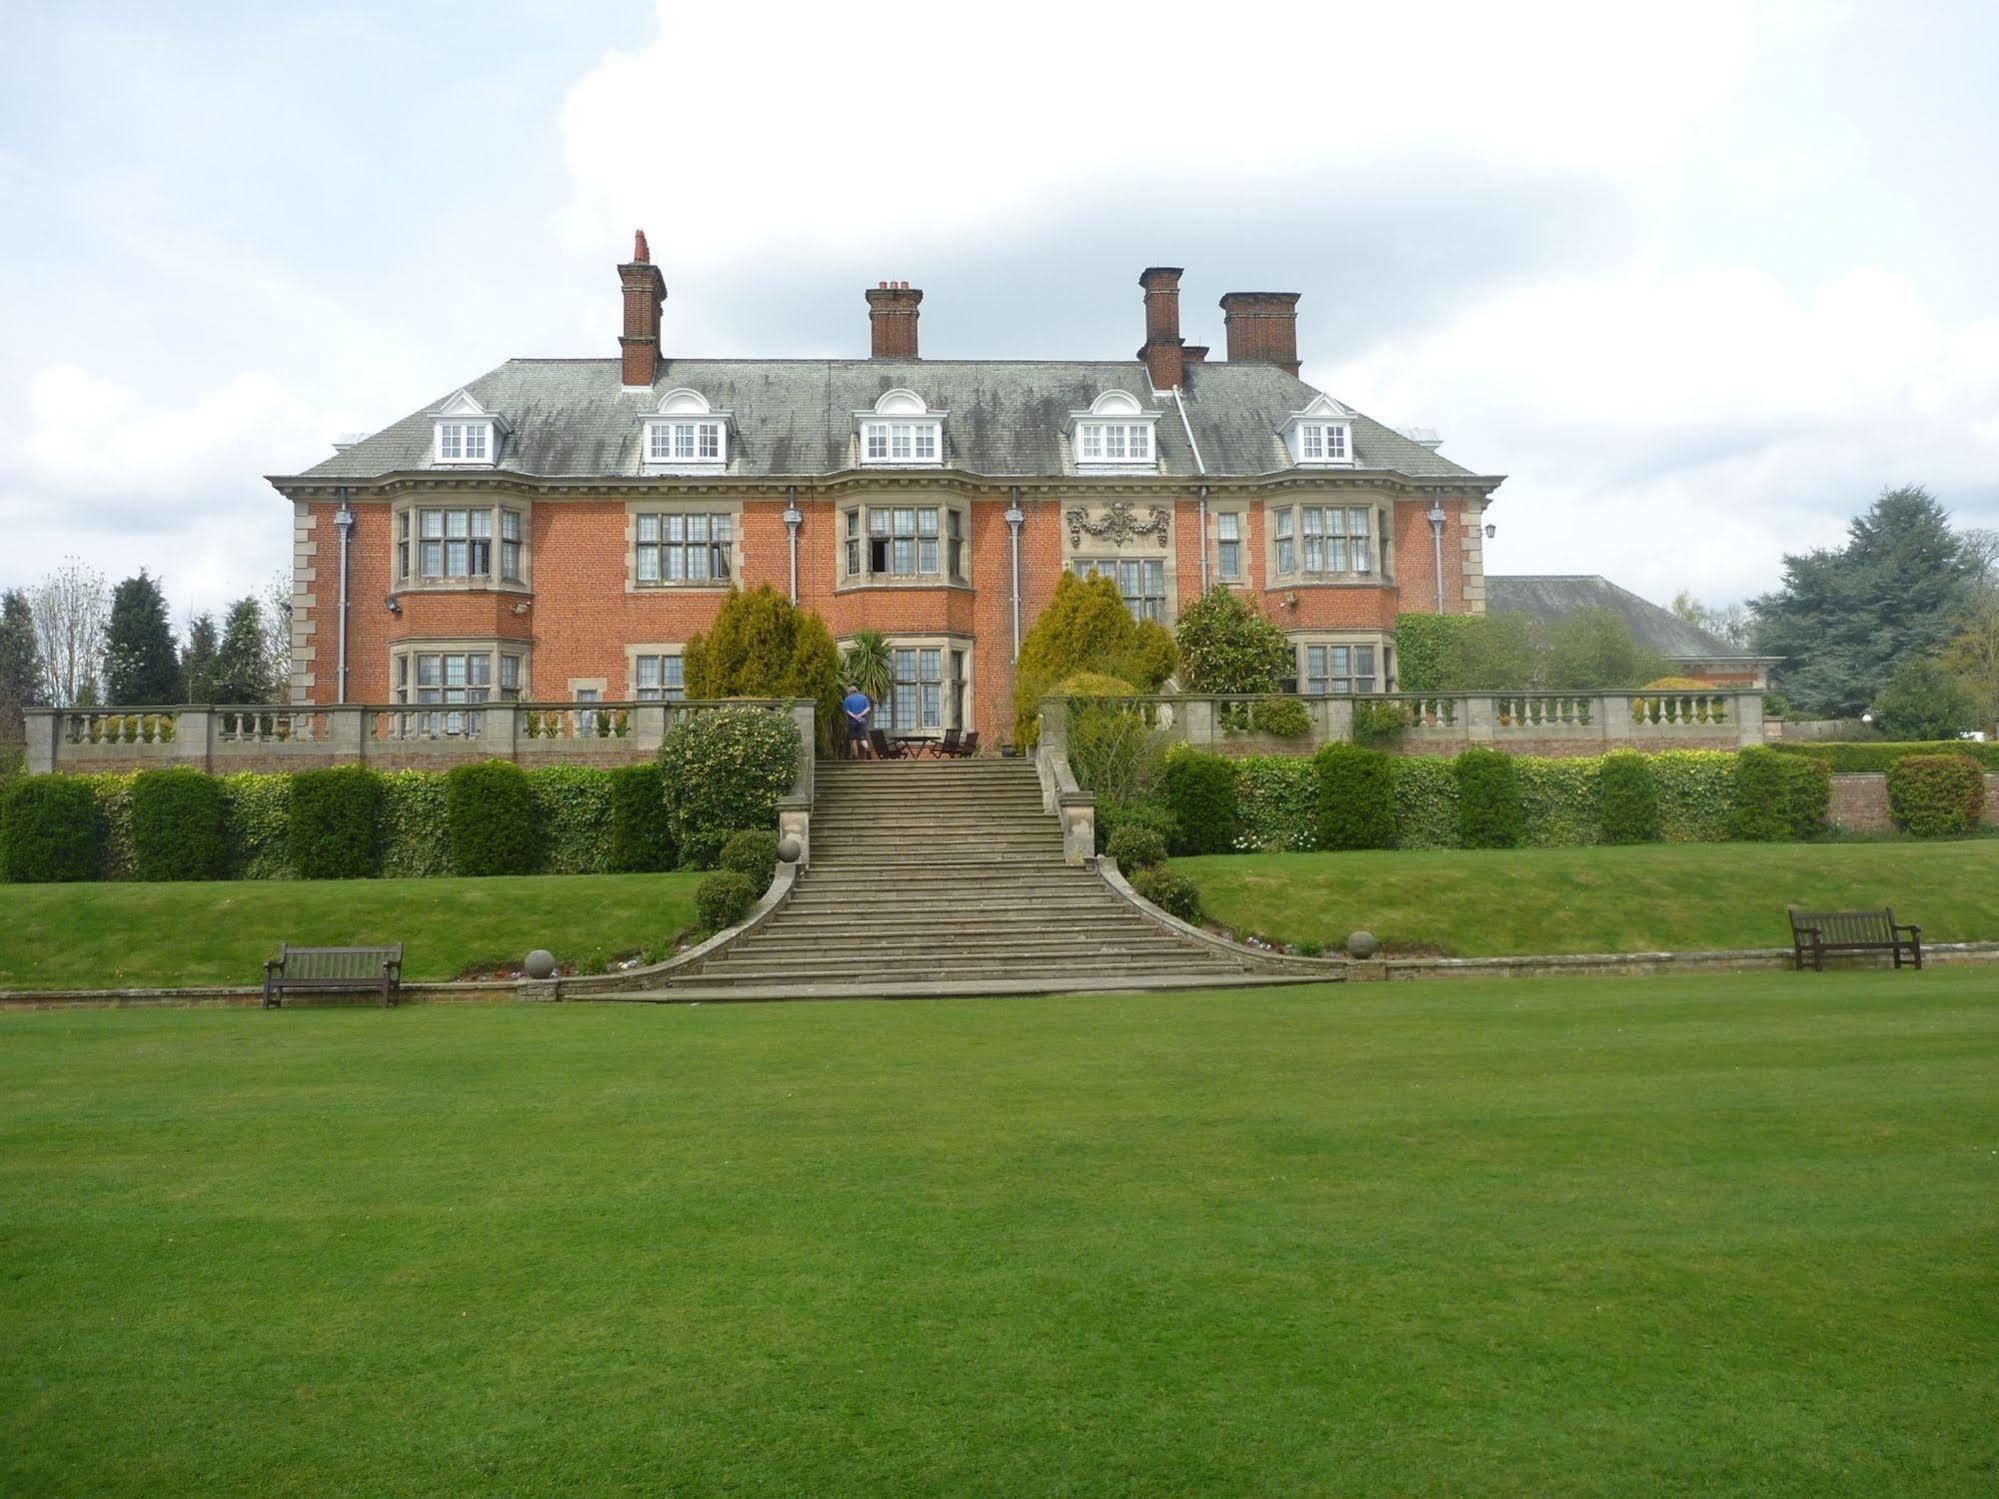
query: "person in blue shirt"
858, 712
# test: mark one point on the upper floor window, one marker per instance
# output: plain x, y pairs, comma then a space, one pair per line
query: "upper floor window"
466, 433
904, 541
901, 429
686, 434
1116, 430
1321, 434
1228, 544
1319, 540
437, 545
683, 548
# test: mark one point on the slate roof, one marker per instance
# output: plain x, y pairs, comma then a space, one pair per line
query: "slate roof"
1550, 597
795, 417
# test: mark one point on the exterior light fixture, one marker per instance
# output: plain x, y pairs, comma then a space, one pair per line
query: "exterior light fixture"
793, 519
1490, 530
1436, 517
1015, 517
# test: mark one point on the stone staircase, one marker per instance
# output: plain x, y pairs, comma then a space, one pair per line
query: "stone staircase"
946, 877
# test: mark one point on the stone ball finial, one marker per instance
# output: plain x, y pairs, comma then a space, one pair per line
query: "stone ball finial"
788, 850
1362, 945
540, 964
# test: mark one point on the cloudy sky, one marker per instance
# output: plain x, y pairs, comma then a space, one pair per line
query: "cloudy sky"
1700, 279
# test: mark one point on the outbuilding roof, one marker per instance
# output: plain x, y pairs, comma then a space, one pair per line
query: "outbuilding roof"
1553, 596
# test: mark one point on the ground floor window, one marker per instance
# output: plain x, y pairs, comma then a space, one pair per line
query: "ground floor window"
1141, 582
916, 701
454, 679
1337, 669
658, 679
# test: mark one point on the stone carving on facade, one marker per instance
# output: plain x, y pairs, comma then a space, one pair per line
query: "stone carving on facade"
1118, 525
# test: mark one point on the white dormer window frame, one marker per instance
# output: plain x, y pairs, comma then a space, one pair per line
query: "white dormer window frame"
686, 436
1321, 436
465, 434
901, 432
1116, 433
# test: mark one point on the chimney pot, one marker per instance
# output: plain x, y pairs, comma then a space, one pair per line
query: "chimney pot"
1262, 328
641, 252
892, 316
1161, 350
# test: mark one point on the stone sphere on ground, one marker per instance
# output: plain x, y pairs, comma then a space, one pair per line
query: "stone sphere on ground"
788, 850
540, 964
1362, 945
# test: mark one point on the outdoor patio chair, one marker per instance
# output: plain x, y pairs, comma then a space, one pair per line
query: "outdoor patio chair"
965, 747
884, 747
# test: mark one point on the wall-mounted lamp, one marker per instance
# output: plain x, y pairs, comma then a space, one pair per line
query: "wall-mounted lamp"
389, 603
1490, 530
1290, 601
521, 607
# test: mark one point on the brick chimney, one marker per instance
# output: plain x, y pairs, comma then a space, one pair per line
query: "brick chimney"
892, 318
1161, 350
645, 289
1262, 328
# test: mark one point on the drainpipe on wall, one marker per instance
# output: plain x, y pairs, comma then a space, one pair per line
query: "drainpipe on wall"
1202, 511
344, 519
1436, 518
1014, 516
793, 518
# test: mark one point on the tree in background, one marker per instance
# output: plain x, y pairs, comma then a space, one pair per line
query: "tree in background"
1466, 652
70, 607
1924, 701
277, 606
1731, 623
140, 662
197, 661
1972, 658
1846, 620
241, 672
20, 664
1226, 646
763, 645
1592, 649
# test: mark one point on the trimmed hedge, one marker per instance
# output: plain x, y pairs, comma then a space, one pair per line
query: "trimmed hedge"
335, 823
1936, 796
752, 853
639, 840
179, 827
1560, 801
723, 899
723, 770
1696, 794
1807, 796
1137, 847
1113, 815
49, 832
1201, 795
113, 794
416, 836
1277, 803
258, 821
1426, 803
1762, 793
1846, 758
1354, 803
1627, 799
1489, 813
1280, 717
1174, 894
489, 810
572, 819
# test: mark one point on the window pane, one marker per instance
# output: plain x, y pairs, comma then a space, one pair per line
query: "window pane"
720, 527
905, 522
648, 564
877, 523
432, 523
926, 558
1093, 440
648, 528
926, 522
510, 671
905, 557
926, 442
1226, 527
430, 559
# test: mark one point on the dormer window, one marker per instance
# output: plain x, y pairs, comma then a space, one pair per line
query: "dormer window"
467, 433
686, 436
1321, 434
1116, 432
901, 430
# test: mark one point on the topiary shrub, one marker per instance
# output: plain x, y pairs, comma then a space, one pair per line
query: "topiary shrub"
257, 814
1628, 799
640, 842
179, 826
49, 831
1355, 805
1807, 795
1173, 893
1201, 794
490, 815
1276, 804
1280, 717
752, 853
1488, 799
722, 770
335, 823
1084, 627
572, 818
1137, 847
1112, 815
1936, 796
723, 899
763, 645
416, 840
1760, 813
1378, 723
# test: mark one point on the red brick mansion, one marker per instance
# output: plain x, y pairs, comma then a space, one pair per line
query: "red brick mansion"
557, 529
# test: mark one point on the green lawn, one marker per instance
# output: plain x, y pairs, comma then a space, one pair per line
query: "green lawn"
1658, 897
1727, 1235
134, 936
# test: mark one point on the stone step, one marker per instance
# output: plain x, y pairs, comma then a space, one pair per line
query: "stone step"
1076, 975
692, 991
1111, 938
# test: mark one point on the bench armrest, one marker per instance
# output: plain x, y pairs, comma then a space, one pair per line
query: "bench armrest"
273, 965
1910, 927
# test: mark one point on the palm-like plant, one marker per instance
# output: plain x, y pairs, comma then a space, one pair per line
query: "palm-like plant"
869, 665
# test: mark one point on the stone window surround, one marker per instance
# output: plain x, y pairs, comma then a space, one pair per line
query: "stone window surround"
1383, 642
1243, 512
491, 582
598, 685
688, 505
844, 582
947, 643
1381, 538
1139, 548
464, 646
636, 649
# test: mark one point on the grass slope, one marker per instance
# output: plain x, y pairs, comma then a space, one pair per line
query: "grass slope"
1575, 1237
136, 935
1658, 897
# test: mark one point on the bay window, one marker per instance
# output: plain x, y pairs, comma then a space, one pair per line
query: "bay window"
453, 679
455, 545
1336, 669
904, 541
1317, 541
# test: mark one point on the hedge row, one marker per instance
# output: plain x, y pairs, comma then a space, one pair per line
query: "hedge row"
335, 824
1845, 759
1350, 797
1936, 796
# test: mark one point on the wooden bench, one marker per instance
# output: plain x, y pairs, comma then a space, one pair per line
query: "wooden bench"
1816, 933
343, 969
